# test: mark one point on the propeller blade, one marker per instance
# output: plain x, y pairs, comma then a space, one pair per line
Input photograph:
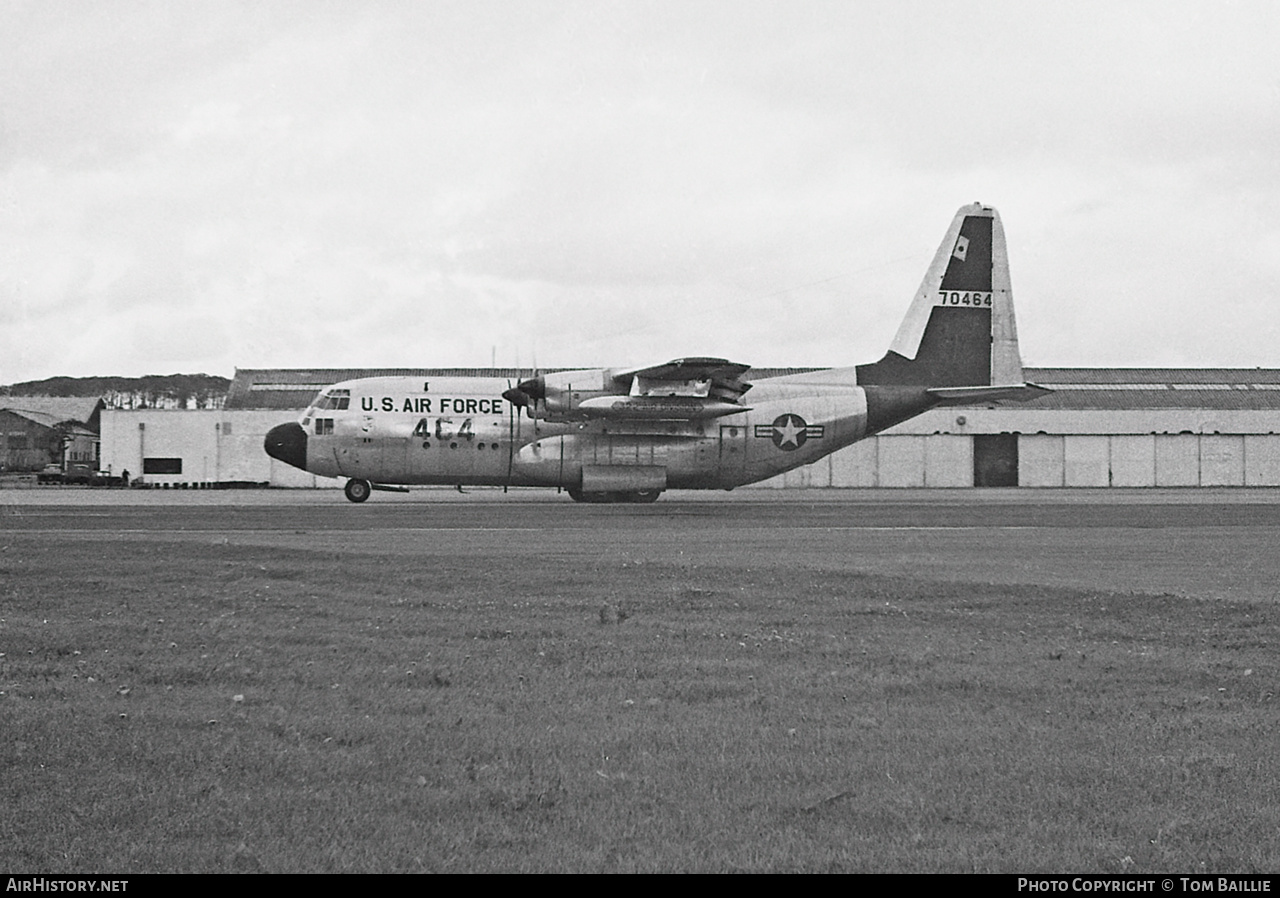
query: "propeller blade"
535, 388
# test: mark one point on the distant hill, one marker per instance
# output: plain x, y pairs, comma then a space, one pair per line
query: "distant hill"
151, 391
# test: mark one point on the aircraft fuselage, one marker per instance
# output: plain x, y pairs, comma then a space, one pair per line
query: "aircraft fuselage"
460, 431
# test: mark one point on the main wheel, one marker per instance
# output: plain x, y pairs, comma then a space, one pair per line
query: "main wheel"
357, 490
644, 496
596, 498
615, 496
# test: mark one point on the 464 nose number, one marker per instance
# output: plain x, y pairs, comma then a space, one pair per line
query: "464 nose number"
444, 429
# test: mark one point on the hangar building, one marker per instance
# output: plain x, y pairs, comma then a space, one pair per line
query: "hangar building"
1101, 427
40, 430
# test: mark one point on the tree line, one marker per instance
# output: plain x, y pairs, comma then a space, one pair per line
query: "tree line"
149, 391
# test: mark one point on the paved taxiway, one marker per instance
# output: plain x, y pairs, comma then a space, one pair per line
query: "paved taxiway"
1216, 545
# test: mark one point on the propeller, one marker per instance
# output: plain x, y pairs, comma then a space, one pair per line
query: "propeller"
527, 392
524, 395
512, 417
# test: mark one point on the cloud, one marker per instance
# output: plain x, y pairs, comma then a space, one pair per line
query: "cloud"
441, 183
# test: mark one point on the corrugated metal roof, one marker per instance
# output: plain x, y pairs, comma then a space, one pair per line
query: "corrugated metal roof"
47, 421
51, 422
1074, 388
80, 409
293, 388
1154, 375
1156, 388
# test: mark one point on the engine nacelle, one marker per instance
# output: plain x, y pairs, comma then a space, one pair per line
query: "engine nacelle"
559, 395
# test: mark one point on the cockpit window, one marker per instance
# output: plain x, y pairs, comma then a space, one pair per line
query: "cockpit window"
333, 399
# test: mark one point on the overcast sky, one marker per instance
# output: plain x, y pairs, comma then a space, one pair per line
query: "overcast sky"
196, 186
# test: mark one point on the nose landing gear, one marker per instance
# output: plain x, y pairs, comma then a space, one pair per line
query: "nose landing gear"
357, 490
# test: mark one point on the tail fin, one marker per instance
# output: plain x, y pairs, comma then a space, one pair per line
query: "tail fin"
960, 330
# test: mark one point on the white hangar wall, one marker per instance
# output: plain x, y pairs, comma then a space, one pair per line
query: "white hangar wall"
201, 446
1063, 448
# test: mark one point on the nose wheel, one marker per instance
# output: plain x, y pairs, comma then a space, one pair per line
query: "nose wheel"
357, 490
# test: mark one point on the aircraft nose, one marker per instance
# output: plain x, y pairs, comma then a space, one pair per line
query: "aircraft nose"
288, 443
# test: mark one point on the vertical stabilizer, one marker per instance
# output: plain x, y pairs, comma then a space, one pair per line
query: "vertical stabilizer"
960, 330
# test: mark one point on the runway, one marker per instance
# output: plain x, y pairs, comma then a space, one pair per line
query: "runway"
1203, 544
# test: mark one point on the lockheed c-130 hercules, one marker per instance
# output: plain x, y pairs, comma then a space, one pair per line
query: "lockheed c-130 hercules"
625, 435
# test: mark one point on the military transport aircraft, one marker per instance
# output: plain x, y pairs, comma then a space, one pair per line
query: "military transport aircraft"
625, 435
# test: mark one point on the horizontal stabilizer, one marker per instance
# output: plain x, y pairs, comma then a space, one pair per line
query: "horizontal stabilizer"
968, 395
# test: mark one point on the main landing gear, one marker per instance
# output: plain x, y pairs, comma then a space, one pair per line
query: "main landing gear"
643, 496
357, 490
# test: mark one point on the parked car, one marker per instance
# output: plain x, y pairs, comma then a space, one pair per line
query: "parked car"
76, 472
79, 473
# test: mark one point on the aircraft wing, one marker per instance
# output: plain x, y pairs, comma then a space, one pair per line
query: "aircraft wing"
678, 370
682, 389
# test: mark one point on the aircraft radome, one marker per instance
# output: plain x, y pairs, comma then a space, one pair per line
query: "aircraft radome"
625, 435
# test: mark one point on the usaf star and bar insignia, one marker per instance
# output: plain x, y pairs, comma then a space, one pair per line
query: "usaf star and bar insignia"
789, 432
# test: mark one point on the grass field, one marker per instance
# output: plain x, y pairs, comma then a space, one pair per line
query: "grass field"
201, 706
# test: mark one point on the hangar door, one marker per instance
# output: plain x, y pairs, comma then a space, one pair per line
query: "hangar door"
995, 459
